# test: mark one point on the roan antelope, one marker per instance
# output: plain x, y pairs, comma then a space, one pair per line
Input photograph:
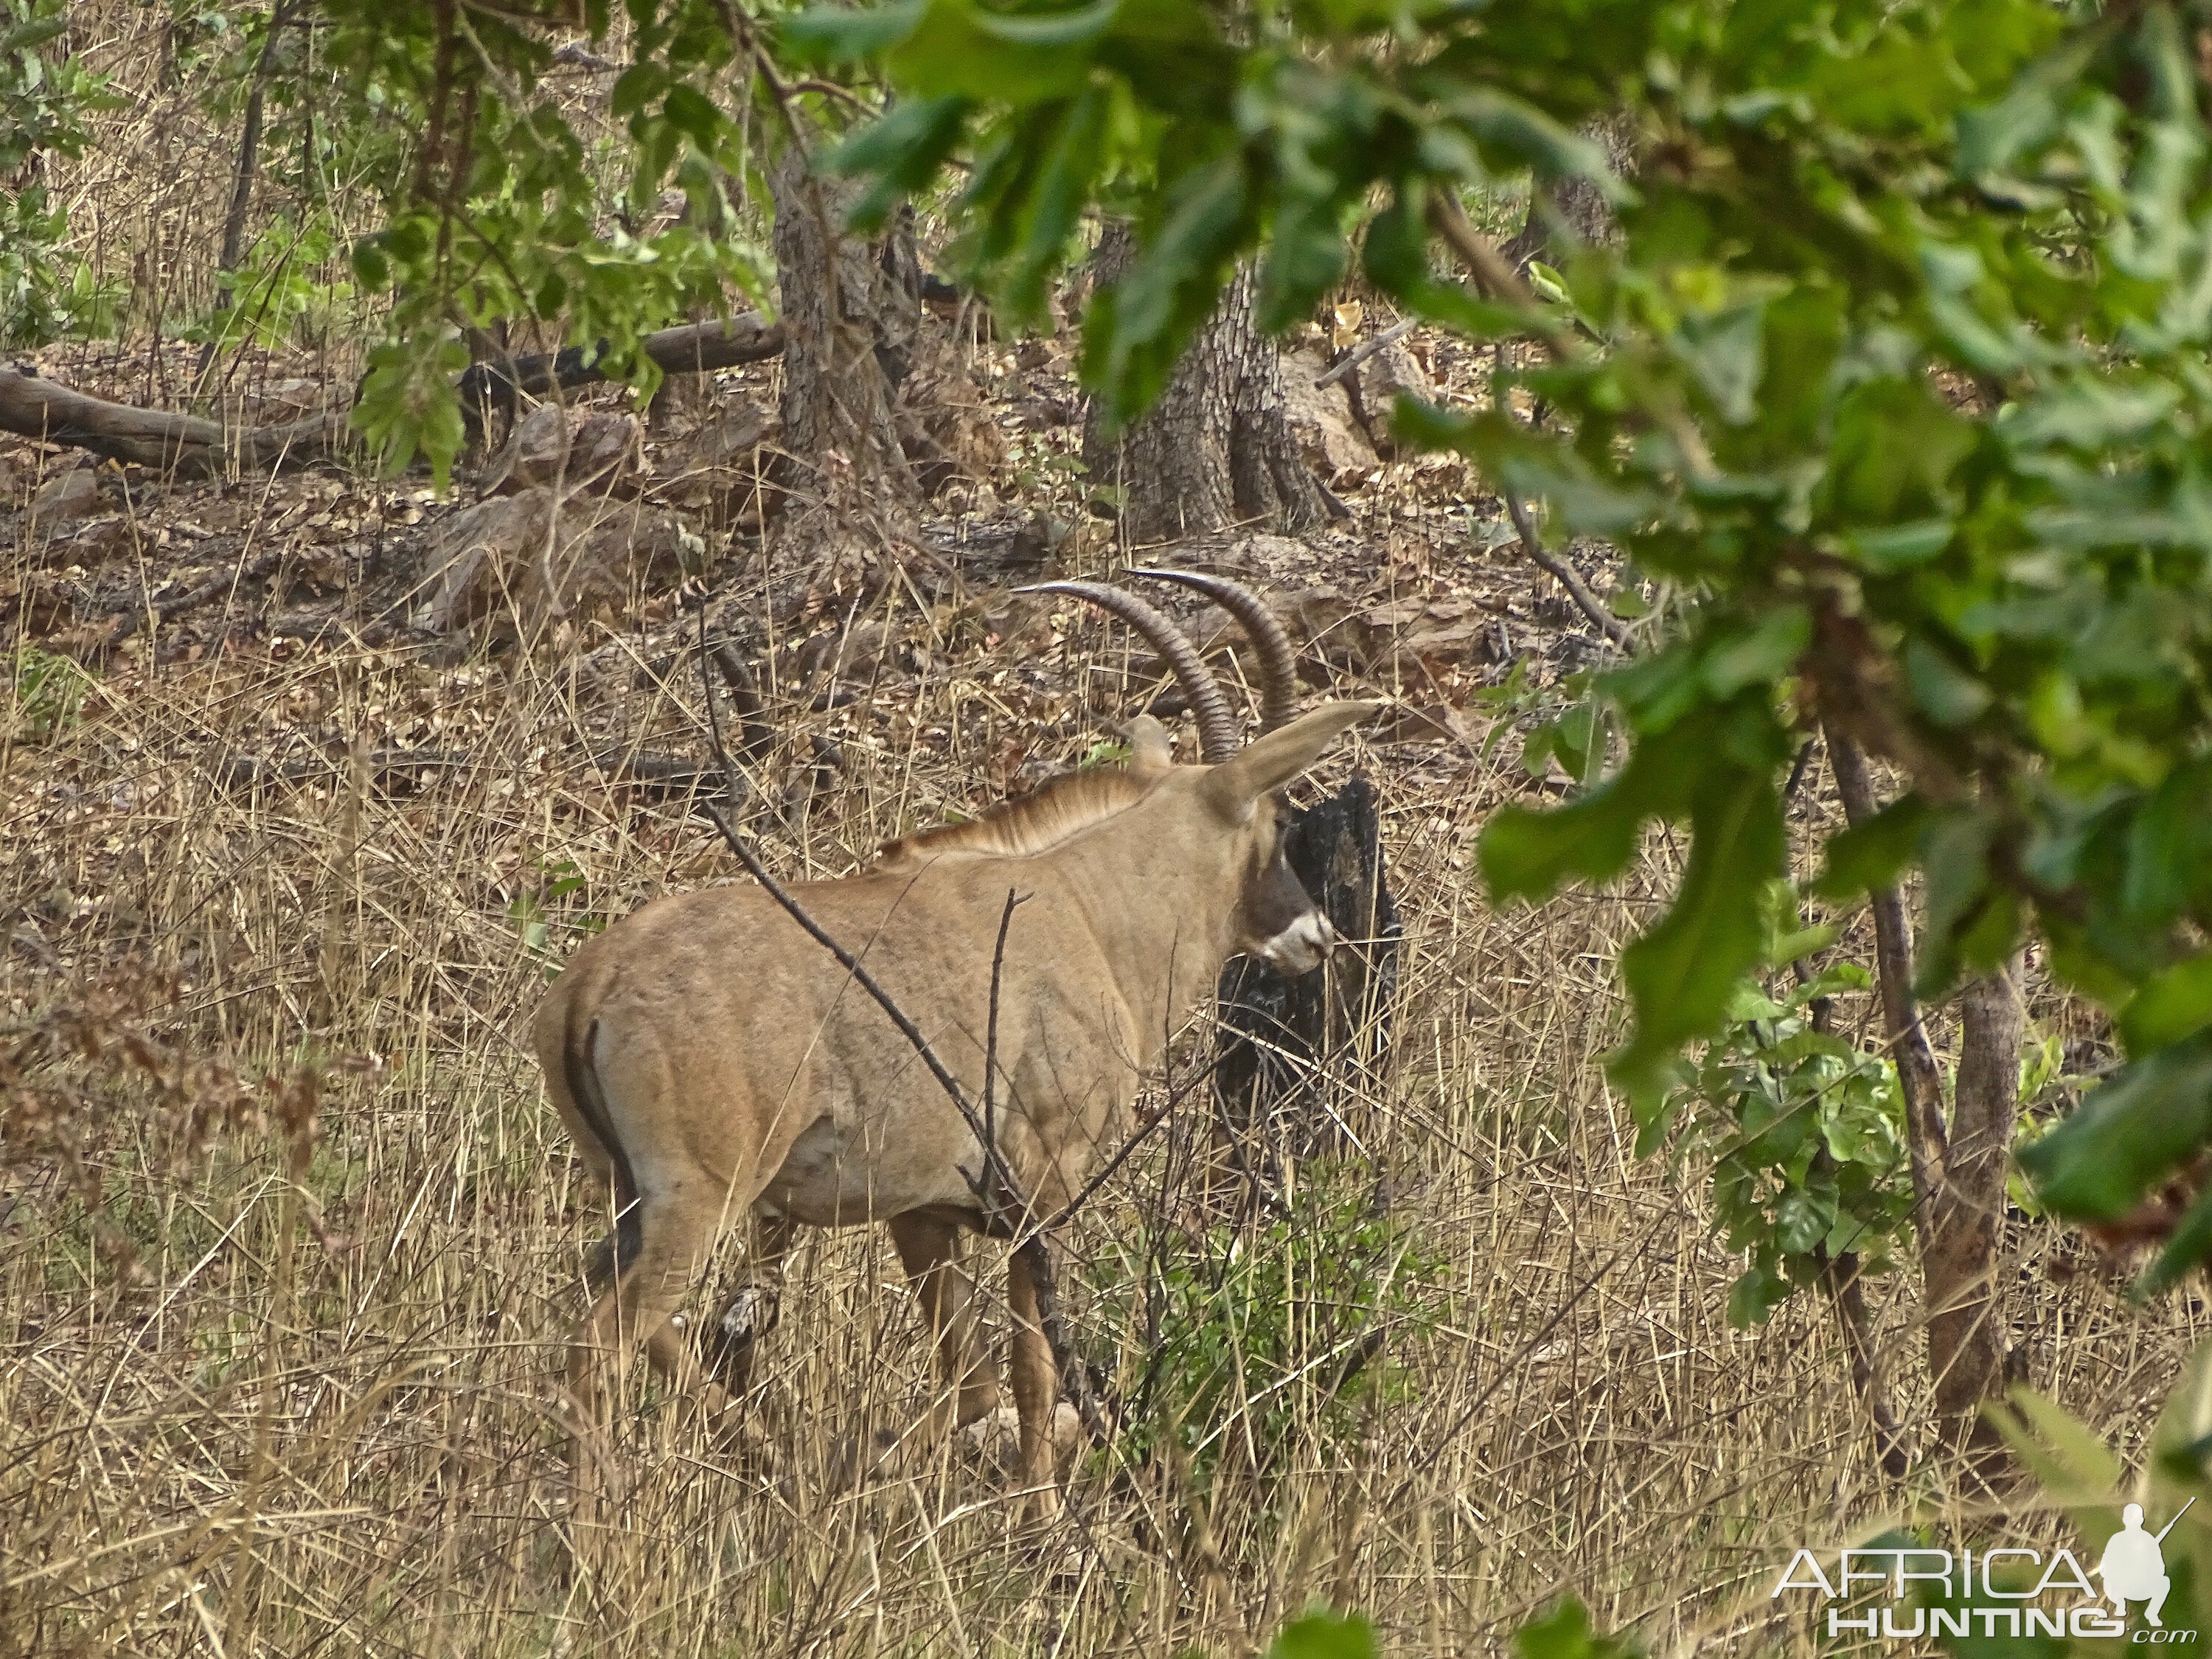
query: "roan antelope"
716, 1064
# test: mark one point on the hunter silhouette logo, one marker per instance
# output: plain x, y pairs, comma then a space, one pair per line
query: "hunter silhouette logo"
2133, 1567
2002, 1591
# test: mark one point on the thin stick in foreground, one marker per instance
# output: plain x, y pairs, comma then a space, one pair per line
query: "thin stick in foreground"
1006, 1210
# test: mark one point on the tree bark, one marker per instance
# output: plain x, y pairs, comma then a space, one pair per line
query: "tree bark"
848, 338
1958, 1173
1966, 1317
1568, 210
1216, 448
692, 349
34, 407
37, 408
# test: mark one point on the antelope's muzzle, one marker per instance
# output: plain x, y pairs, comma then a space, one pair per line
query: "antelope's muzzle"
1301, 947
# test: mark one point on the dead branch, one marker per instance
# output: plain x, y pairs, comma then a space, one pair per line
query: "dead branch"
692, 349
1006, 1212
34, 408
1360, 354
1563, 573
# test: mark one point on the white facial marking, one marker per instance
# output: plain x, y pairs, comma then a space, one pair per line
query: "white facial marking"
1301, 947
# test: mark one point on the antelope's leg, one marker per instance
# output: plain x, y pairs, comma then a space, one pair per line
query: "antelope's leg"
930, 1251
1036, 1395
633, 1311
727, 1345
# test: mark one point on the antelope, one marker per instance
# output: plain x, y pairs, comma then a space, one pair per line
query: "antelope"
716, 1066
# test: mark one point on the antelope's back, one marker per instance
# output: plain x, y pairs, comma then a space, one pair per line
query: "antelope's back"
719, 989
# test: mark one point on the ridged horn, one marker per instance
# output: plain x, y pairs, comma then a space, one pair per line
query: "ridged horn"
1217, 727
1278, 658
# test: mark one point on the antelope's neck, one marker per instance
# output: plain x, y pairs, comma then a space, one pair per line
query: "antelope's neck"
1166, 923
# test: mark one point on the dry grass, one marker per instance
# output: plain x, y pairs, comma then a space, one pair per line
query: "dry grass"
321, 1412
291, 1398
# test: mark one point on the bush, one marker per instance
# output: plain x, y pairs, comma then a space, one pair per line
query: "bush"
1241, 1344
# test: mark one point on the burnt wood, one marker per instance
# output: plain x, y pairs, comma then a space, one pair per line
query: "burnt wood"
1284, 1045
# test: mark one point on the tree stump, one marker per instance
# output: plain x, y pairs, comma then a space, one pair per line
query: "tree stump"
1289, 1049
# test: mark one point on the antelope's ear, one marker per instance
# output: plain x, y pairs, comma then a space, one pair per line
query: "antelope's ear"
1271, 762
1150, 751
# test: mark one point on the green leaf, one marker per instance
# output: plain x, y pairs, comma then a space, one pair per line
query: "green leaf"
1756, 1293
691, 113
833, 35
2188, 1249
1896, 445
1565, 1633
1892, 548
1680, 972
1868, 856
2128, 1135
2176, 1004
1326, 1636
903, 151
1947, 694
1760, 654
1727, 355
1531, 854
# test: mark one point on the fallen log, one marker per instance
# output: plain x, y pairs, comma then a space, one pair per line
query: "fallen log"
692, 349
42, 408
193, 446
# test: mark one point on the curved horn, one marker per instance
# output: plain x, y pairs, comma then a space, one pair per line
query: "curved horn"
1217, 727
1278, 658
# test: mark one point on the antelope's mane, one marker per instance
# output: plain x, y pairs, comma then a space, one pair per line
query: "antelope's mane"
1049, 814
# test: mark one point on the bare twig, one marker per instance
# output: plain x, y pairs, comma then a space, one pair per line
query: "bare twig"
1921, 1080
991, 1034
1005, 1211
1563, 573
1360, 354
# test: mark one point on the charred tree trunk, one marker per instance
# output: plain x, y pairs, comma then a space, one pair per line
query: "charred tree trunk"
1958, 1171
1216, 448
1285, 1044
849, 337
1564, 211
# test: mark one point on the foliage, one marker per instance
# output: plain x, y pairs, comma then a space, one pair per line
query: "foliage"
48, 690
1565, 1633
1803, 1132
44, 292
1898, 368
1243, 1339
1325, 1635
553, 904
276, 299
2076, 1472
503, 216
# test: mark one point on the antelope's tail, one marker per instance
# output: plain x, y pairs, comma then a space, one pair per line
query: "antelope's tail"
614, 1253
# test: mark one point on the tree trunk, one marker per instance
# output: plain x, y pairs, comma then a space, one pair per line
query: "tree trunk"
1958, 1174
1564, 211
1286, 1044
848, 338
1216, 449
1966, 1318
